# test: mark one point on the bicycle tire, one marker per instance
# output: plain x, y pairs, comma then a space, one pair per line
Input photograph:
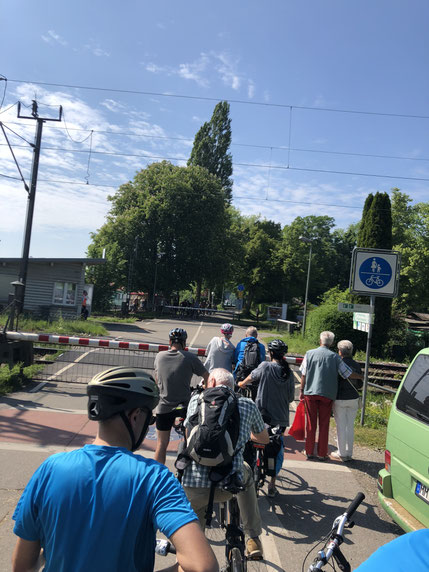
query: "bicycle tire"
237, 560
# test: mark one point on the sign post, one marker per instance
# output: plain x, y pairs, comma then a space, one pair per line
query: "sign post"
373, 272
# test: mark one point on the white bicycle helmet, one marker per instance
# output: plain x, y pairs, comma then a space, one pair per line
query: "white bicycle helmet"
227, 329
119, 389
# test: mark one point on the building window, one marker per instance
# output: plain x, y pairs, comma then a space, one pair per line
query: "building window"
65, 293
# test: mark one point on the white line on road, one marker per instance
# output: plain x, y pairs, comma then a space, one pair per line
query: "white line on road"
50, 409
196, 335
53, 376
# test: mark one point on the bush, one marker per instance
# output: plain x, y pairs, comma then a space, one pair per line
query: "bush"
327, 317
17, 377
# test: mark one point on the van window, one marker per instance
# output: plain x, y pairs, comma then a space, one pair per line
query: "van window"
413, 398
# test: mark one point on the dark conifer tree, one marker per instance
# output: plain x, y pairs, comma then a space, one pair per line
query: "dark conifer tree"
376, 232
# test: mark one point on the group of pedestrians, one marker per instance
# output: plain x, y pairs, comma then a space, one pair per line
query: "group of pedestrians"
329, 382
98, 508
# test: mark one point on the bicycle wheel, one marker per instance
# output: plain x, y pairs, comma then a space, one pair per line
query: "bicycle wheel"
238, 563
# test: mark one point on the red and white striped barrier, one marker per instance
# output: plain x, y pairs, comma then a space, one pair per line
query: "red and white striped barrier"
95, 342
114, 344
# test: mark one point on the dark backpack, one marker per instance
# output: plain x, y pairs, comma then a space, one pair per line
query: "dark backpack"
270, 454
214, 428
251, 360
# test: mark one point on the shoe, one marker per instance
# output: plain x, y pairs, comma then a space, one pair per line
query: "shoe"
254, 549
336, 455
323, 459
272, 492
311, 457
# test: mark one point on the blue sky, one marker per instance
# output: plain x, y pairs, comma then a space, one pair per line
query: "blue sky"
323, 94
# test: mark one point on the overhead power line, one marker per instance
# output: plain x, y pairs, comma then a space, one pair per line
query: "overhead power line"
233, 144
236, 196
239, 101
239, 164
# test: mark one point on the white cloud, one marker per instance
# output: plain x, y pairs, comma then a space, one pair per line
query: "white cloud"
113, 105
95, 48
250, 89
53, 38
201, 71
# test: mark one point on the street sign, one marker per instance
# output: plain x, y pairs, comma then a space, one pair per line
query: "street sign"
345, 307
375, 272
363, 317
362, 321
240, 287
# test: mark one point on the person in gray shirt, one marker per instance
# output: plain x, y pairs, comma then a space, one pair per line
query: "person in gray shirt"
173, 373
276, 390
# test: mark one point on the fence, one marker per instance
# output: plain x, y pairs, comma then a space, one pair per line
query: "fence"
77, 360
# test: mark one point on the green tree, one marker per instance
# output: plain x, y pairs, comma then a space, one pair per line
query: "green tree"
294, 256
411, 239
258, 265
211, 147
158, 226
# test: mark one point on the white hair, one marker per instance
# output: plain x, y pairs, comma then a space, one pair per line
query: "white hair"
345, 347
252, 331
327, 339
221, 376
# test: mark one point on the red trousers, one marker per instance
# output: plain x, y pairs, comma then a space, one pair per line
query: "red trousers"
317, 408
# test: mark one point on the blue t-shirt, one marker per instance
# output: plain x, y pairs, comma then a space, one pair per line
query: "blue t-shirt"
407, 553
98, 508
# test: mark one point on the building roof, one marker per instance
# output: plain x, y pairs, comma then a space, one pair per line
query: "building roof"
86, 261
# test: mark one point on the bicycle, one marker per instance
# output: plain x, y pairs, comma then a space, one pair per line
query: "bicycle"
374, 280
229, 518
334, 540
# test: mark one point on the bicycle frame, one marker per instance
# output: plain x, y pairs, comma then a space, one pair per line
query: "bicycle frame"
234, 535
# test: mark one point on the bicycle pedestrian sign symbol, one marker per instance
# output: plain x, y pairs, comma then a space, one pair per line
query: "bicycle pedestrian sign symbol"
375, 272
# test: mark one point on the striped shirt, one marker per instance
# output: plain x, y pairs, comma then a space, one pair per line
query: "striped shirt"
196, 475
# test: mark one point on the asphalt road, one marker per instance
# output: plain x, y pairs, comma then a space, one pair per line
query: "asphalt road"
35, 425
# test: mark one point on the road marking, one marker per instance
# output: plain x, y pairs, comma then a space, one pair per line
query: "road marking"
53, 376
271, 527
49, 409
196, 335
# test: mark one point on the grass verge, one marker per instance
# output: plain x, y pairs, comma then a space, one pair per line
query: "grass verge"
373, 433
61, 326
17, 377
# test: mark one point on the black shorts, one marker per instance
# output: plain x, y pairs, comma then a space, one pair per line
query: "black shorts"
165, 421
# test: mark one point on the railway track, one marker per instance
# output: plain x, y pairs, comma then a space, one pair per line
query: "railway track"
385, 374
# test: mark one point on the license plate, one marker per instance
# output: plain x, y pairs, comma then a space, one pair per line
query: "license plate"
422, 491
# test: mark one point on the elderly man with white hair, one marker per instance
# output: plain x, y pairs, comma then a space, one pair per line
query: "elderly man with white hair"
196, 480
319, 386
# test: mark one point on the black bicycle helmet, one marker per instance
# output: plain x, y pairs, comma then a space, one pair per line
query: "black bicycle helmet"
121, 389
277, 348
178, 335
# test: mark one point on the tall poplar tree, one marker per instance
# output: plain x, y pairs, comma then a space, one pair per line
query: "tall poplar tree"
211, 147
376, 232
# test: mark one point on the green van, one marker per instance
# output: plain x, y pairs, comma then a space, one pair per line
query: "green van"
403, 485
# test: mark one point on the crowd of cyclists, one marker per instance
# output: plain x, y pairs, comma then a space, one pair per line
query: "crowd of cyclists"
98, 508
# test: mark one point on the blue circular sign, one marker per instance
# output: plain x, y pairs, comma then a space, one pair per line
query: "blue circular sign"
375, 272
240, 287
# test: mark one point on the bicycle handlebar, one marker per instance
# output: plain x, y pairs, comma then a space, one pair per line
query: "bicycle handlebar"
164, 547
354, 505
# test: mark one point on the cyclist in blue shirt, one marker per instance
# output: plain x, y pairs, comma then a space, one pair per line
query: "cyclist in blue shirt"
98, 508
409, 552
